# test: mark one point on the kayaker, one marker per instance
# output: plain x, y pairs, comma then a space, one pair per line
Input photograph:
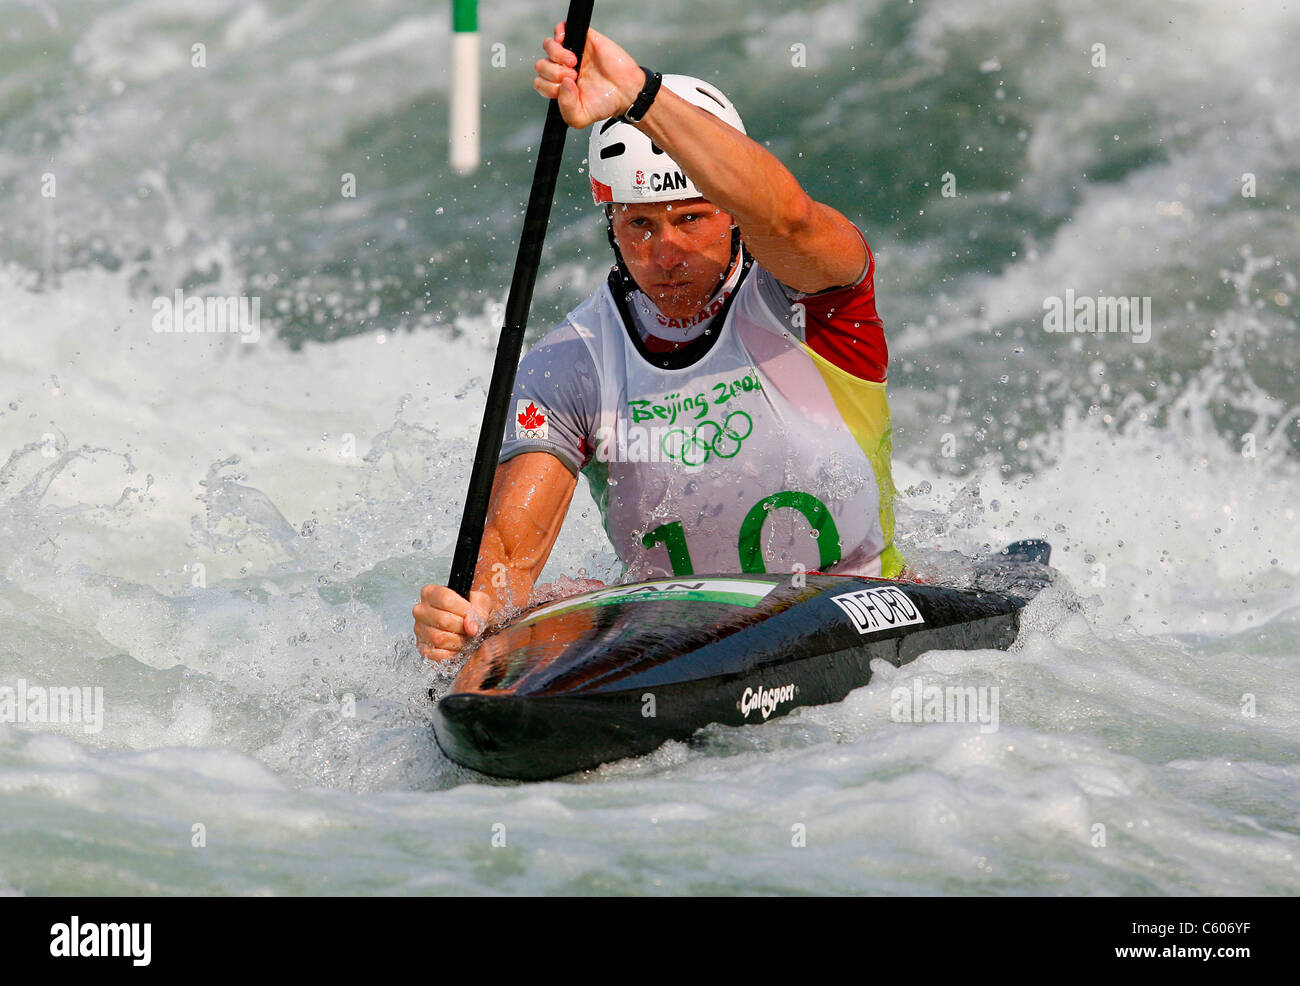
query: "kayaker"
723, 391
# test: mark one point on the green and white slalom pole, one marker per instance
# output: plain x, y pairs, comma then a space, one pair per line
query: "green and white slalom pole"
465, 88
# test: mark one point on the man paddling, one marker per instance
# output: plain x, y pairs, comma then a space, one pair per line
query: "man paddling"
723, 392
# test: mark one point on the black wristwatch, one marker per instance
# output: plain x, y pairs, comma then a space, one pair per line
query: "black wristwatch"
641, 105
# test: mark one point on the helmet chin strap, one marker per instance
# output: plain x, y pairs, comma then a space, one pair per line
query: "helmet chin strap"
626, 276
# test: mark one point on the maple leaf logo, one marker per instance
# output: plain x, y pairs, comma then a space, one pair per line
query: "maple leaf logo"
531, 418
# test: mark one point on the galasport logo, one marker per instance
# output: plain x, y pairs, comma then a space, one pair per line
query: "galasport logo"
765, 700
530, 421
879, 608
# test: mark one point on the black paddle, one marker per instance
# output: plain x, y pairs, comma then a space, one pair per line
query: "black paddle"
516, 318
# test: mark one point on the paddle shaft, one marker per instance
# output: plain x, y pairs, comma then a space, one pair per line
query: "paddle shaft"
511, 343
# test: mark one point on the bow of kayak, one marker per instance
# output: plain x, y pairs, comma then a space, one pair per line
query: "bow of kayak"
616, 672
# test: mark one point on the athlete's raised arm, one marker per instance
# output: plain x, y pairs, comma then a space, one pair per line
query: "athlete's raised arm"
805, 244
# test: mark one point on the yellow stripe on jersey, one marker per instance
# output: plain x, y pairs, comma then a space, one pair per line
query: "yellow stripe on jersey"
865, 410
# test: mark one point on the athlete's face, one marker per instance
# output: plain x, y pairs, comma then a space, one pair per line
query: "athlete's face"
677, 252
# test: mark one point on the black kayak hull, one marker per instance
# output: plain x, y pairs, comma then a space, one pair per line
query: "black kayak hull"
616, 673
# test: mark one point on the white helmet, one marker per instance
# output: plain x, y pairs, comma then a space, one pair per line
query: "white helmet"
626, 166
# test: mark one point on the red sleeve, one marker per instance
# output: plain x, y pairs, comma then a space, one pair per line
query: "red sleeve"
842, 326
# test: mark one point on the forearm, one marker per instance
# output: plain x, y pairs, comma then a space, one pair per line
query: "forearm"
805, 244
508, 566
732, 171
530, 497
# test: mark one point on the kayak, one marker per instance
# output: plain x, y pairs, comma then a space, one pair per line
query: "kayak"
616, 672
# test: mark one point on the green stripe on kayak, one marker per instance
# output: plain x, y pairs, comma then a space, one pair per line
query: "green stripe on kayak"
671, 595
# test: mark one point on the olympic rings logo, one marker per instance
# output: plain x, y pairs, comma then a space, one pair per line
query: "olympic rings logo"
708, 438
